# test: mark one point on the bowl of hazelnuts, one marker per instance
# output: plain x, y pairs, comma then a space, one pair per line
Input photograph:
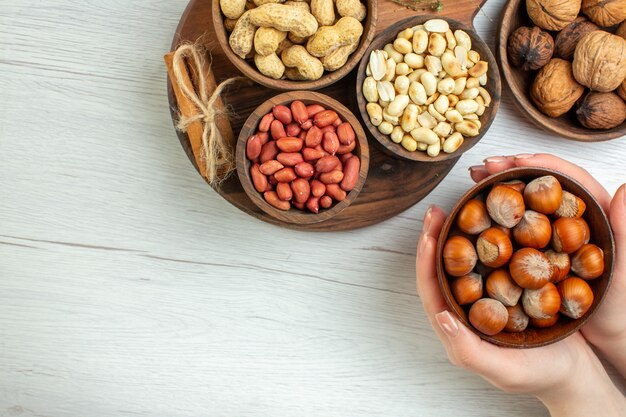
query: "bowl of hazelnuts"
565, 63
525, 257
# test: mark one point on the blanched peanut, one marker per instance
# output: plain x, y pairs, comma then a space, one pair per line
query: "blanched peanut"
401, 84
394, 120
385, 128
393, 54
420, 41
416, 74
441, 104
386, 91
443, 129
409, 143
426, 135
402, 68
406, 34
409, 118
436, 44
429, 82
402, 45
434, 149
453, 142
445, 86
463, 39
397, 106
450, 64
433, 112
370, 92
421, 146
467, 128
485, 95
469, 93
450, 39
390, 72
417, 93
425, 119
453, 100
396, 134
479, 69
466, 106
454, 116
413, 60
375, 112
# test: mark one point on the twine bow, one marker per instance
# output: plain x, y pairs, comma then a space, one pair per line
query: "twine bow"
216, 151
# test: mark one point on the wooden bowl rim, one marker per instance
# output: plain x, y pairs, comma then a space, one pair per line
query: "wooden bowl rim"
395, 148
522, 99
507, 175
328, 78
294, 215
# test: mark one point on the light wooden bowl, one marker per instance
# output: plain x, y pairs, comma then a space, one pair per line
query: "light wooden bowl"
248, 68
514, 16
493, 86
295, 215
601, 235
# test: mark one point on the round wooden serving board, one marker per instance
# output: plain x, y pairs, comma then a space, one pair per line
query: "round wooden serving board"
392, 184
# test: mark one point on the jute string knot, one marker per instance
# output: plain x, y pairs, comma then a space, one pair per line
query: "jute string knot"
216, 151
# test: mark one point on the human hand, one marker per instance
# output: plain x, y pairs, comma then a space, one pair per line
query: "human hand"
566, 376
606, 329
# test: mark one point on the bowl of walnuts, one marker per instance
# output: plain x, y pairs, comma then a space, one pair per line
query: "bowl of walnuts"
565, 63
294, 45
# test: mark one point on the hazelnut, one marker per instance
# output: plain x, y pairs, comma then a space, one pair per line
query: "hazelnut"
600, 61
605, 12
543, 194
530, 48
473, 217
542, 323
571, 206
555, 90
601, 111
459, 256
552, 14
534, 231
543, 302
567, 39
568, 234
530, 268
468, 288
488, 316
500, 286
518, 319
576, 297
505, 205
588, 262
494, 248
561, 264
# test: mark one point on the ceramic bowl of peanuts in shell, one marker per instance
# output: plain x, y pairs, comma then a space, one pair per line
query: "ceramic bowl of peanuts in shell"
428, 88
302, 157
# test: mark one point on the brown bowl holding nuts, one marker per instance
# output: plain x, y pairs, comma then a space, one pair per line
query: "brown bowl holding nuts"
578, 95
428, 88
284, 25
302, 157
525, 257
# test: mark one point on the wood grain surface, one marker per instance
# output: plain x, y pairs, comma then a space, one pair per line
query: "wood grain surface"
130, 288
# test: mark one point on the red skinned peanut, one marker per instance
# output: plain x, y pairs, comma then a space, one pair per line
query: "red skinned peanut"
335, 192
313, 204
277, 130
285, 175
270, 167
307, 124
327, 163
264, 136
269, 151
253, 147
313, 109
304, 170
301, 190
343, 158
332, 177
293, 129
351, 170
343, 149
318, 188
282, 113
259, 180
326, 201
289, 159
330, 128
345, 133
313, 137
330, 143
311, 154
283, 189
266, 121
324, 118
298, 111
289, 144
297, 205
272, 198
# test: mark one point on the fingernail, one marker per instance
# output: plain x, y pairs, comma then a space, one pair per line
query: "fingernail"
427, 220
524, 156
495, 159
447, 323
475, 167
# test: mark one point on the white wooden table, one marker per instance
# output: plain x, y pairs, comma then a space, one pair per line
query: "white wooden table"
128, 287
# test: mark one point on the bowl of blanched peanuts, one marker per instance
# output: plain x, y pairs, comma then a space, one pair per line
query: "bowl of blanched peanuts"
428, 88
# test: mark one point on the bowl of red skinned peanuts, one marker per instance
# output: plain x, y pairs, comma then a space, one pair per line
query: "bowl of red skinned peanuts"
302, 157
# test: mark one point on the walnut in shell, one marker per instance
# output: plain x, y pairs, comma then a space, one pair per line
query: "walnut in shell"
621, 30
600, 61
555, 90
601, 111
605, 12
621, 90
530, 48
553, 14
567, 39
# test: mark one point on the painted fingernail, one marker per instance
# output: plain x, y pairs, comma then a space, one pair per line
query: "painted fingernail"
524, 156
447, 323
427, 219
495, 159
475, 168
